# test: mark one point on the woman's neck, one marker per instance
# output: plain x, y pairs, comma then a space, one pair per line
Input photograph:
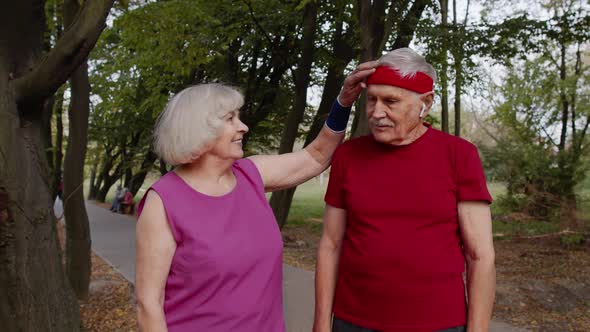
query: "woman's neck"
209, 175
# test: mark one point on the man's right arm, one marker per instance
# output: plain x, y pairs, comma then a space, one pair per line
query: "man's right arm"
327, 266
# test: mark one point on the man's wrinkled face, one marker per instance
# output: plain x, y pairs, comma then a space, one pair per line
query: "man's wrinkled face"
393, 113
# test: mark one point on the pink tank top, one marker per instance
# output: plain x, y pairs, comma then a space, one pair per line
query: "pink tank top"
226, 273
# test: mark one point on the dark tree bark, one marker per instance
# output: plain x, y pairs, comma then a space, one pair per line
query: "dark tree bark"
407, 27
163, 167
343, 52
444, 10
458, 58
34, 292
127, 177
280, 201
78, 263
372, 32
257, 108
563, 99
139, 177
375, 30
58, 155
54, 106
108, 180
232, 62
92, 182
46, 132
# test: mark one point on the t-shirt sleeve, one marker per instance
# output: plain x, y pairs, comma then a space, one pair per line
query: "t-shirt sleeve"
335, 192
471, 184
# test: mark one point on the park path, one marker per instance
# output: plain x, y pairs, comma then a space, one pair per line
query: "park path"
113, 239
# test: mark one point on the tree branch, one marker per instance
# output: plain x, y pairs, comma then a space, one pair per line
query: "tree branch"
67, 55
407, 27
251, 9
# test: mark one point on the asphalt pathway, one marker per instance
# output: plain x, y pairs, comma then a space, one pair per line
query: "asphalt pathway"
113, 239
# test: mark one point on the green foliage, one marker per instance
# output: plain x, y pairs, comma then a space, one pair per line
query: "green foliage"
541, 111
526, 228
571, 241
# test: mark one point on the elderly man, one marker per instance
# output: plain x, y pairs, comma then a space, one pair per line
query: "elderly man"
407, 208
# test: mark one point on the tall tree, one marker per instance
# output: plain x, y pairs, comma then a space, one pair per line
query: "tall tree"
458, 55
343, 51
77, 225
34, 292
57, 157
376, 28
444, 82
372, 18
280, 201
544, 116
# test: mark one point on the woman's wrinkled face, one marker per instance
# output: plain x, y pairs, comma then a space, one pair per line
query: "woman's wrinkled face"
229, 142
393, 113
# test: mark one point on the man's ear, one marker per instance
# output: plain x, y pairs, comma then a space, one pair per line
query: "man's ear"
427, 99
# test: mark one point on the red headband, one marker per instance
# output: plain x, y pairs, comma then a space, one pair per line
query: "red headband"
420, 83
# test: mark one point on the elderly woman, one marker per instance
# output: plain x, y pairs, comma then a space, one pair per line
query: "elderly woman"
209, 252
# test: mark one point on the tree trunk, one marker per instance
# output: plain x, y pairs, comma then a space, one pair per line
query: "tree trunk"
109, 180
128, 175
372, 31
343, 53
280, 201
407, 27
458, 57
279, 64
162, 167
444, 7
77, 225
99, 179
46, 132
139, 177
55, 106
78, 228
563, 99
59, 138
92, 184
34, 292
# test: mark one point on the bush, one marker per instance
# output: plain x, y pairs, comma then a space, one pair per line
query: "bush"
571, 241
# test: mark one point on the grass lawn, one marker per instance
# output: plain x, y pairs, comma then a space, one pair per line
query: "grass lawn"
307, 208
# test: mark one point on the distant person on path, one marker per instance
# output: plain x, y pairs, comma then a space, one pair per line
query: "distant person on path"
407, 208
117, 199
126, 201
209, 250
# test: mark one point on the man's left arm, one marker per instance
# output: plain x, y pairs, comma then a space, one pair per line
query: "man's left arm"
476, 231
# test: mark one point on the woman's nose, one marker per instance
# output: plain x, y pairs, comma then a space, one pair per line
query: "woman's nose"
243, 127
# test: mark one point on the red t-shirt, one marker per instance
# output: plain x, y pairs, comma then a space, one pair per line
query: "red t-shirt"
401, 263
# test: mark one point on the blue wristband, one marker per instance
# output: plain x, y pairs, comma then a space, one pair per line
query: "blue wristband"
338, 117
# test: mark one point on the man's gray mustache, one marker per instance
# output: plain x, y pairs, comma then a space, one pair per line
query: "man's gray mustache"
382, 122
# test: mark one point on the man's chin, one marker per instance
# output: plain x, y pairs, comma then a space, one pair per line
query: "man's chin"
386, 138
381, 137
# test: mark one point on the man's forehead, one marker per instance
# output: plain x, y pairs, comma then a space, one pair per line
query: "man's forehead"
379, 90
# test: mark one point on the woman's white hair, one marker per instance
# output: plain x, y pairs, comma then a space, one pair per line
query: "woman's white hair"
407, 62
191, 121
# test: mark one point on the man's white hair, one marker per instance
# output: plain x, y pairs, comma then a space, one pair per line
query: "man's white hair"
191, 121
407, 62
